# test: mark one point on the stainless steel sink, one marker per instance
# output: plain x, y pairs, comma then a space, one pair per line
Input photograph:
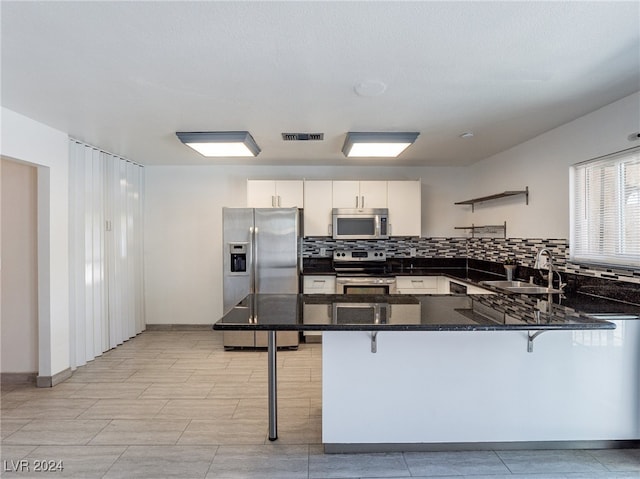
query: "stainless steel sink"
507, 284
533, 290
521, 287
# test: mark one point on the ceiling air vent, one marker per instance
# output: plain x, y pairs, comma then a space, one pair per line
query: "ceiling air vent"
303, 136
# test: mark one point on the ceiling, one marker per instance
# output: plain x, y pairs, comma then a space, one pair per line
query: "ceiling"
125, 76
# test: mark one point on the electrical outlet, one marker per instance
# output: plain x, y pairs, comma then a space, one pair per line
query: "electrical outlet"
412, 252
323, 251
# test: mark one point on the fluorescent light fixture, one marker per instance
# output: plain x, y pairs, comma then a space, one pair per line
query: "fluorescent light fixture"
377, 145
220, 143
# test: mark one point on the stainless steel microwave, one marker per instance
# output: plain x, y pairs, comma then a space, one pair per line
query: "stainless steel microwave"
365, 223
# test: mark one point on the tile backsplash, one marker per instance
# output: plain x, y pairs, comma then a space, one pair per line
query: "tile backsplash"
523, 250
395, 247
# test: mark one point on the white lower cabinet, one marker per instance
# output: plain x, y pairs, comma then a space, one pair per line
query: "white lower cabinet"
319, 284
433, 285
405, 313
475, 290
417, 284
317, 313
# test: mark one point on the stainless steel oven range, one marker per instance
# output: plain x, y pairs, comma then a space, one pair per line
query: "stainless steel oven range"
363, 272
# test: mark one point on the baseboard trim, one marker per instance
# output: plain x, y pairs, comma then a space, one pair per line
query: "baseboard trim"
339, 448
17, 378
179, 327
50, 381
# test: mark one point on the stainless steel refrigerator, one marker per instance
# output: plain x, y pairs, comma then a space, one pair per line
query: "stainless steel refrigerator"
260, 256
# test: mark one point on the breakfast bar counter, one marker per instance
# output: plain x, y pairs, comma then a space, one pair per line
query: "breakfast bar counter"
415, 372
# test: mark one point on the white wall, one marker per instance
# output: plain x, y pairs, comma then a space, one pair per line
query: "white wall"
542, 163
29, 141
19, 311
183, 221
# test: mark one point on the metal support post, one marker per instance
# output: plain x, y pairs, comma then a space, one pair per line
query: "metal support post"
273, 386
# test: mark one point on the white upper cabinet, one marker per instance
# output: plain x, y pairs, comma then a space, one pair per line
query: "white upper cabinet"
275, 194
346, 194
359, 194
402, 198
317, 209
373, 194
405, 207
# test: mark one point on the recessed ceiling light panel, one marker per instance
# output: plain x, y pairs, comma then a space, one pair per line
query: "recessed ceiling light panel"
377, 144
225, 144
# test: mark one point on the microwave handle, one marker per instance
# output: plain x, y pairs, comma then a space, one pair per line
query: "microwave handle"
330, 229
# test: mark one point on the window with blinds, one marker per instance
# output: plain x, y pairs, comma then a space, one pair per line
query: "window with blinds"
605, 210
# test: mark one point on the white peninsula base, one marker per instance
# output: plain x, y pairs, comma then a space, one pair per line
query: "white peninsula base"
429, 390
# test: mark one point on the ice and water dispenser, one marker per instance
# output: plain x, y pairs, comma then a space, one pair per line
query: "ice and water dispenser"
238, 253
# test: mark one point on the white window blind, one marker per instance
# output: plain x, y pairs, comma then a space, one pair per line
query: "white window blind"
605, 210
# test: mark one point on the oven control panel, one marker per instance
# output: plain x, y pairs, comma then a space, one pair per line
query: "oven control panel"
359, 255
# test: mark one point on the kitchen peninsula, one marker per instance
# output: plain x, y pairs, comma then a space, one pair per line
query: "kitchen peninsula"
412, 372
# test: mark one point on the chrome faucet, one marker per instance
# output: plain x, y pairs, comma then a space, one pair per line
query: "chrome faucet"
538, 265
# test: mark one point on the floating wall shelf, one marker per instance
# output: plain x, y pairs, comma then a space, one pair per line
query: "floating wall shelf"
485, 229
504, 194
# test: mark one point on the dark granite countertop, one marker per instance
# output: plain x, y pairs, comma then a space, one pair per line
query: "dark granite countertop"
587, 298
497, 312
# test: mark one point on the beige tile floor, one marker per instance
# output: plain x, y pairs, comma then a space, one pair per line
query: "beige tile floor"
175, 404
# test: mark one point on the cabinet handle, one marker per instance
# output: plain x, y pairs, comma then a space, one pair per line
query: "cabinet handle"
357, 201
362, 201
279, 203
273, 201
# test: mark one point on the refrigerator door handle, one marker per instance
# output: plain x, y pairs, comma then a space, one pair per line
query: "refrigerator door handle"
252, 267
256, 266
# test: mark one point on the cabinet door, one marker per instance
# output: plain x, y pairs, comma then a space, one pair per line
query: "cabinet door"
261, 193
373, 194
417, 284
319, 284
443, 285
477, 290
289, 194
405, 207
346, 194
317, 210
405, 313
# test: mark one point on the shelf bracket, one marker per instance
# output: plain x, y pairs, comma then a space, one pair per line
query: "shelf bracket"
374, 341
531, 337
